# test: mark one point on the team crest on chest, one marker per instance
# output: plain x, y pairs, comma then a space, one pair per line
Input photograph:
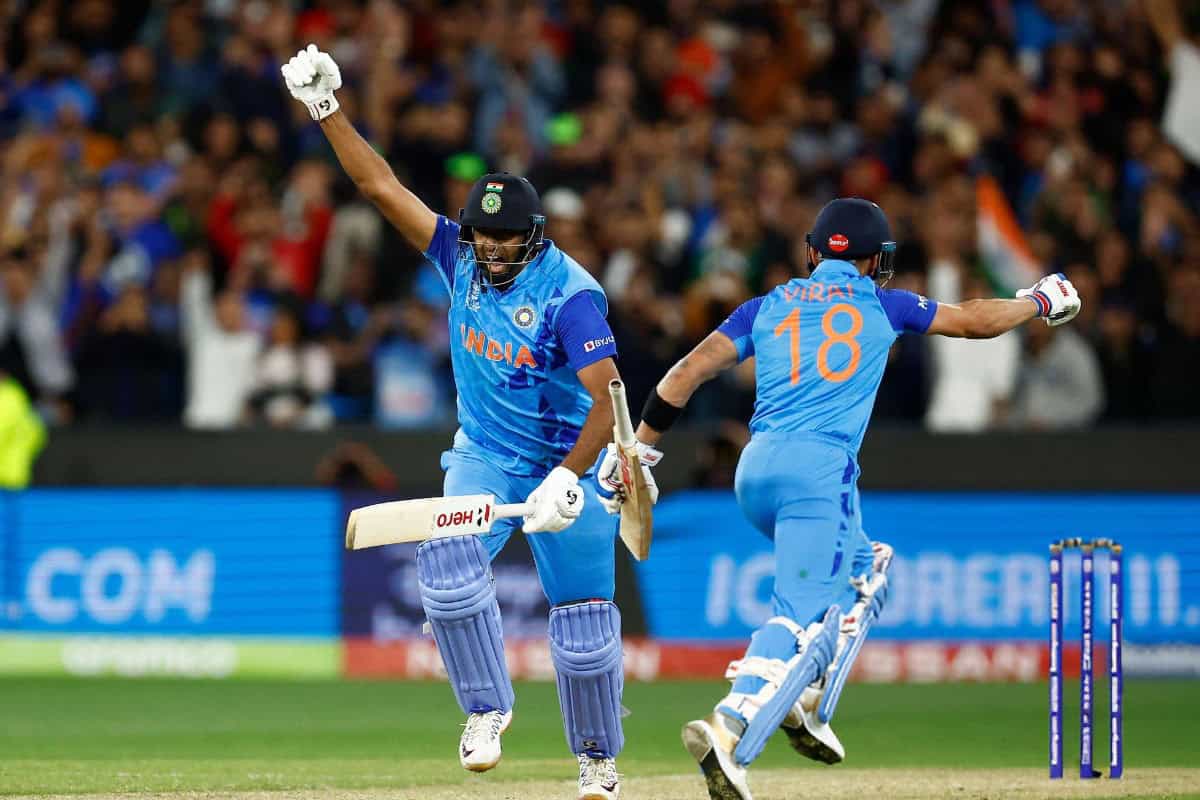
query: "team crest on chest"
524, 317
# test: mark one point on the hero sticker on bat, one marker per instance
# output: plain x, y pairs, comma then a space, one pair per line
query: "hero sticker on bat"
476, 519
450, 519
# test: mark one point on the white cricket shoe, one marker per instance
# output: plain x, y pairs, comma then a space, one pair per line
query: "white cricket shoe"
598, 778
712, 744
479, 747
809, 736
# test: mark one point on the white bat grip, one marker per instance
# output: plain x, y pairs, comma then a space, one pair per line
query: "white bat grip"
623, 433
512, 510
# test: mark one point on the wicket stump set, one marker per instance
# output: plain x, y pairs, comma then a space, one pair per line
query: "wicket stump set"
1116, 603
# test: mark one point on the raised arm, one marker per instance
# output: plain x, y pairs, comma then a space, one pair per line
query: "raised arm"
1053, 298
312, 77
1165, 21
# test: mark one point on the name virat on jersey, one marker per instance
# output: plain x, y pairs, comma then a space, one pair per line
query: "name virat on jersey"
818, 293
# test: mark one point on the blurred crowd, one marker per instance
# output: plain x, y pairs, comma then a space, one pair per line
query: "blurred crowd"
177, 241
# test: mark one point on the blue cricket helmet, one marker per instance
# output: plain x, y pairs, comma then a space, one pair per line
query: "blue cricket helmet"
851, 228
500, 201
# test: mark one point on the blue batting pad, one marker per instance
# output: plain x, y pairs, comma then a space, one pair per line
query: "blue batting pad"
585, 644
841, 669
771, 642
814, 661
455, 581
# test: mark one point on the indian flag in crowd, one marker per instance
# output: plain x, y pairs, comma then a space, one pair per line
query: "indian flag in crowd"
1006, 257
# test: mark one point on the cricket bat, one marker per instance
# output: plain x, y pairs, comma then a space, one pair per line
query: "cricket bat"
637, 525
430, 518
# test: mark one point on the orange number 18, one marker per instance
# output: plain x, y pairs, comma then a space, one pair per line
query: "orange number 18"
791, 326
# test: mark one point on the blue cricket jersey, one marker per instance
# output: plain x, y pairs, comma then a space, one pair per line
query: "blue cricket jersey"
821, 345
515, 353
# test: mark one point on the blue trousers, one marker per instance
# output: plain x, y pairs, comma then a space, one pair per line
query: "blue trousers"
574, 564
801, 491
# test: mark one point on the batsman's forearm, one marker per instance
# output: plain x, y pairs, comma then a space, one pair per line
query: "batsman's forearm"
375, 179
1165, 21
683, 379
992, 317
676, 387
595, 435
706, 361
365, 167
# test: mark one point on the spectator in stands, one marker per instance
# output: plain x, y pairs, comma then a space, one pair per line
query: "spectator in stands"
292, 377
973, 384
249, 226
516, 76
143, 164
353, 328
1181, 116
1058, 381
22, 435
691, 142
1175, 389
222, 351
140, 240
32, 351
127, 370
135, 98
1125, 363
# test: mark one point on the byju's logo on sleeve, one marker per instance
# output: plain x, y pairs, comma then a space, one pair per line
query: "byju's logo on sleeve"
593, 344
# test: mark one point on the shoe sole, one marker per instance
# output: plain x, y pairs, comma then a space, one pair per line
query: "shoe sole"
698, 743
492, 765
594, 796
810, 746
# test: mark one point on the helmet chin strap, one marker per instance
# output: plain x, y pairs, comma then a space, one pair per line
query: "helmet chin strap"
530, 249
513, 272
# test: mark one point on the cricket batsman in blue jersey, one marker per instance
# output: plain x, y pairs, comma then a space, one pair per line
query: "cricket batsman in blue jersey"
532, 357
821, 345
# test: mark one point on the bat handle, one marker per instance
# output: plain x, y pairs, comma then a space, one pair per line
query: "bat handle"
512, 510
623, 433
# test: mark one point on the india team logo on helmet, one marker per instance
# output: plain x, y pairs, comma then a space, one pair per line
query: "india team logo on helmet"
490, 203
524, 317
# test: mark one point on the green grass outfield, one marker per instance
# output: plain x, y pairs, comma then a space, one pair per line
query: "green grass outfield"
107, 737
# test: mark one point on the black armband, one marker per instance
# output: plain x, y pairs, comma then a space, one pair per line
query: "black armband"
658, 413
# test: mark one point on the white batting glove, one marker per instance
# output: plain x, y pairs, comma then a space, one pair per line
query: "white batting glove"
882, 553
312, 77
1056, 298
608, 475
557, 501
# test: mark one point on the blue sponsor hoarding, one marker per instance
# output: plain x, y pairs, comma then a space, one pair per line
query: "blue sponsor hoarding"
186, 561
968, 566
